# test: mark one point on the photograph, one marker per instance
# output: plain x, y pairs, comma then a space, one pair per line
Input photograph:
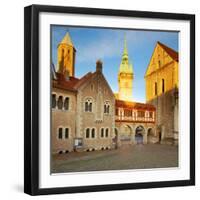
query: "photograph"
114, 99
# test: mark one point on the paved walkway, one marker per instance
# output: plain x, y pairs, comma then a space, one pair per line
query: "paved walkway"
127, 157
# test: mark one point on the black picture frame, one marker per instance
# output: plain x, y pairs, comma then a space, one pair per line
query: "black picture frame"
31, 98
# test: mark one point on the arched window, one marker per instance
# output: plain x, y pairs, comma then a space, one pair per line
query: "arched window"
88, 105
66, 133
102, 132
163, 85
93, 133
60, 102
66, 103
87, 134
155, 88
60, 131
107, 131
106, 107
53, 101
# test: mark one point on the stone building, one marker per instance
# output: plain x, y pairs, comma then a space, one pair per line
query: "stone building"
162, 85
82, 109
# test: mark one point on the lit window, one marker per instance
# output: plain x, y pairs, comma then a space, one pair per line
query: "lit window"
60, 133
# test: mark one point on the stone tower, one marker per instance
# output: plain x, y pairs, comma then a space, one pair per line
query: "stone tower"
66, 56
125, 77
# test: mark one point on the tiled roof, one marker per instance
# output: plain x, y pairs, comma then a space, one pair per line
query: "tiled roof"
62, 83
172, 53
72, 83
133, 105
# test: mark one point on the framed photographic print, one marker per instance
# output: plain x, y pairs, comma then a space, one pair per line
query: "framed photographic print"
109, 100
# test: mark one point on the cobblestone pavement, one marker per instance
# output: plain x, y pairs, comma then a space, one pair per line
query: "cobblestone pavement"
126, 157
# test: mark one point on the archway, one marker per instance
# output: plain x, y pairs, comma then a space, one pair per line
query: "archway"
125, 134
139, 135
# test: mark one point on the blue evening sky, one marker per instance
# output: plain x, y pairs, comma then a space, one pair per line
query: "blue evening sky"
107, 44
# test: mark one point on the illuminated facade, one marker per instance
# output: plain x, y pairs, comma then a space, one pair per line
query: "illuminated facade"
162, 83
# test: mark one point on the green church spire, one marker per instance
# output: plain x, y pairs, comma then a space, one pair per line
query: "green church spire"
125, 66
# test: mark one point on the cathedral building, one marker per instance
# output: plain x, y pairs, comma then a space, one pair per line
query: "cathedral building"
162, 85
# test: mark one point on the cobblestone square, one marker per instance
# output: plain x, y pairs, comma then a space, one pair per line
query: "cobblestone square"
126, 157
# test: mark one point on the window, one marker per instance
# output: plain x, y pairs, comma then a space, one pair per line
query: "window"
155, 89
107, 130
60, 133
60, 102
151, 114
66, 103
163, 85
141, 113
107, 108
128, 113
93, 133
53, 100
102, 132
87, 133
66, 133
88, 105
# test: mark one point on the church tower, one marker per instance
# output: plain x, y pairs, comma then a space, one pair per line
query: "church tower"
125, 77
66, 56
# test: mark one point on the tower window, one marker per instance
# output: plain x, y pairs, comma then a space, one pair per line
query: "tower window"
163, 85
60, 102
60, 133
66, 103
53, 101
155, 88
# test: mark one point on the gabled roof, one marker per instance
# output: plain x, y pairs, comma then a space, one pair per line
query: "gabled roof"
171, 52
62, 83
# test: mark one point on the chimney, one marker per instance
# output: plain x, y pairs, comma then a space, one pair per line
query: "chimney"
99, 66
